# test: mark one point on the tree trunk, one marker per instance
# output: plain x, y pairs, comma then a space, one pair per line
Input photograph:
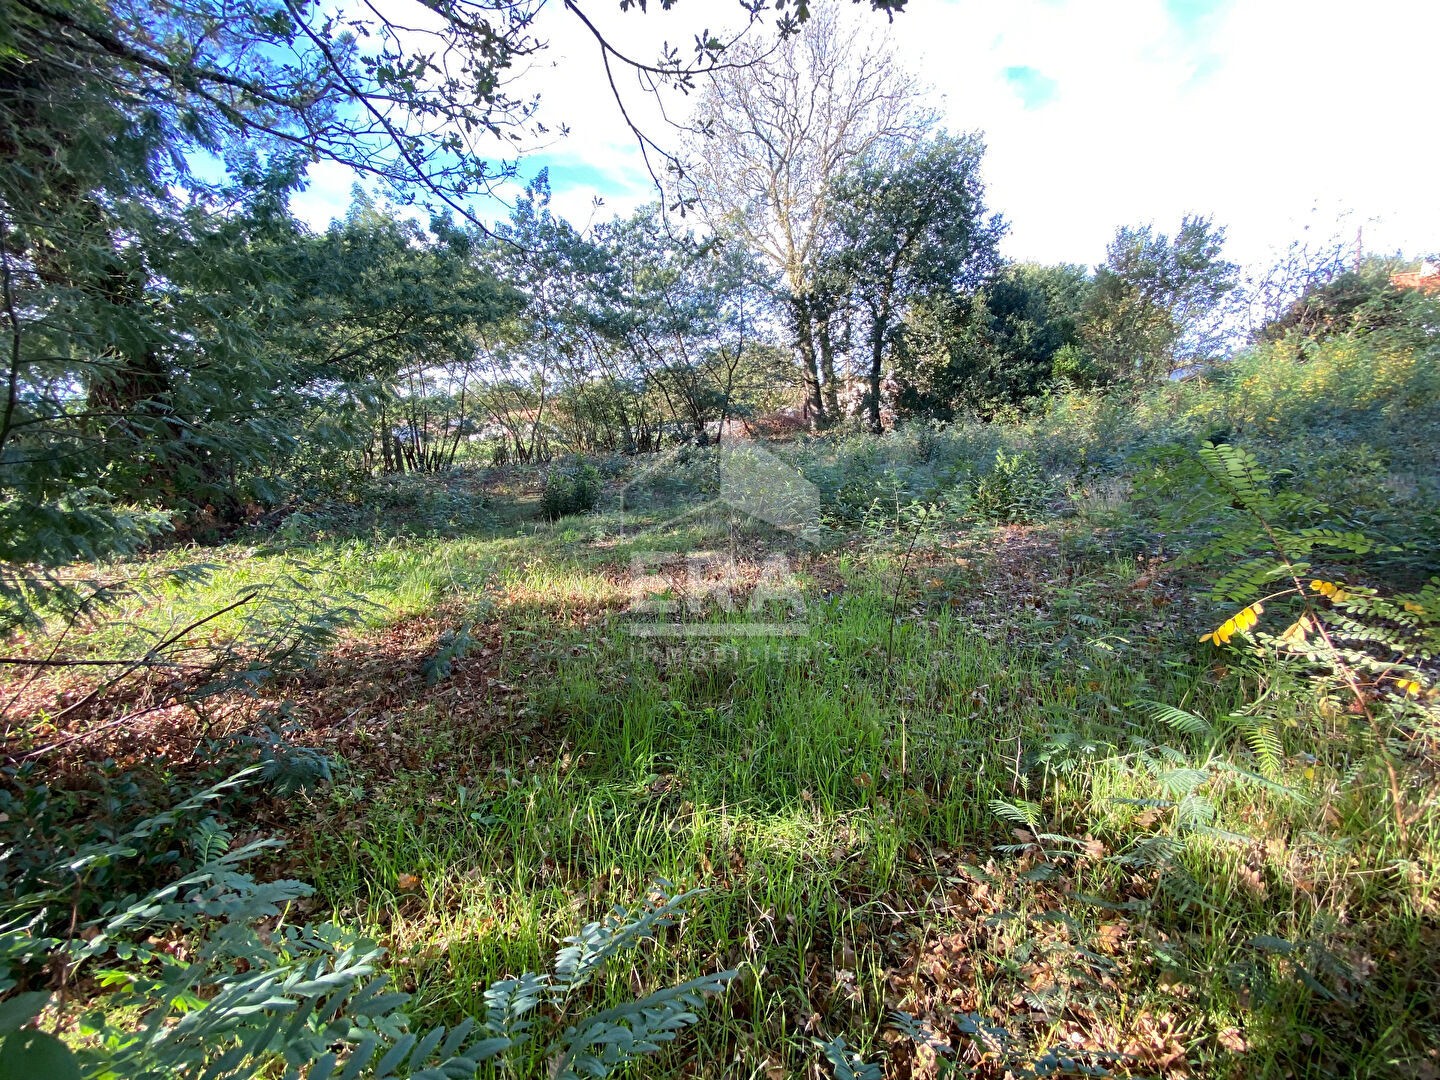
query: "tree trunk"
872, 393
805, 342
831, 384
877, 360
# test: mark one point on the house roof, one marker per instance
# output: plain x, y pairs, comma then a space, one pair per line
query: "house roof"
1426, 279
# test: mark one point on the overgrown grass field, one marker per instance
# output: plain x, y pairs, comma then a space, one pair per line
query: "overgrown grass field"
989, 777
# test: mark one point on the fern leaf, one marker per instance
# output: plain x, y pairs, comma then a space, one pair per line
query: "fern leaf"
1022, 813
1187, 723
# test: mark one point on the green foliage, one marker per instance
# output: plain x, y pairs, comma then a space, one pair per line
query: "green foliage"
1012, 492
847, 1064
912, 224
287, 768
250, 993
454, 645
206, 363
37, 539
1363, 646
862, 478
1001, 344
573, 487
184, 356
999, 347
1072, 367
408, 504
994, 1041
1155, 298
1357, 299
43, 827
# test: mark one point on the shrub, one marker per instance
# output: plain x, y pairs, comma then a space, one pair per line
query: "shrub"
914, 464
406, 504
1355, 642
1363, 298
572, 487
1013, 492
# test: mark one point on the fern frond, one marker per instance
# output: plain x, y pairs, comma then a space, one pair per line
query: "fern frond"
847, 1064
1239, 473
1023, 812
1187, 723
1264, 743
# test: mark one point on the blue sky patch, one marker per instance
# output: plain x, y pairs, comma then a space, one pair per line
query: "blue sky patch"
1188, 15
1034, 88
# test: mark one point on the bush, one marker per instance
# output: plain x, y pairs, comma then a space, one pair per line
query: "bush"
914, 464
1013, 492
1363, 298
406, 504
572, 487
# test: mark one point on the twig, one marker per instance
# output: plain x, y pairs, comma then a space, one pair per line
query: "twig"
895, 601
149, 659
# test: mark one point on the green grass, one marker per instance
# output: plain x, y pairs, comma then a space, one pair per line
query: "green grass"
951, 794
838, 802
839, 796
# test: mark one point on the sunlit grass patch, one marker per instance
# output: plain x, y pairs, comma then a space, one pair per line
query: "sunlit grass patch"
838, 796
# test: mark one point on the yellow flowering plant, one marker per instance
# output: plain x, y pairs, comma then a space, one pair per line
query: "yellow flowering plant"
1379, 649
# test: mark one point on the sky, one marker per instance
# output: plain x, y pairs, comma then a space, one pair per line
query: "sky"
1283, 120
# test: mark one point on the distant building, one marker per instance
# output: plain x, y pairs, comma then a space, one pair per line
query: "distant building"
1186, 372
1426, 279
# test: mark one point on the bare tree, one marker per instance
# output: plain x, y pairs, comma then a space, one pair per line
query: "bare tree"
773, 130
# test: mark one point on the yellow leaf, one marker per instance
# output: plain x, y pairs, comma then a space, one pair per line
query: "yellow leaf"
1330, 589
1238, 623
1295, 634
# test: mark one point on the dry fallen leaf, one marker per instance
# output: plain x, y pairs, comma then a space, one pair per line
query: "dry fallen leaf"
1232, 1040
1109, 936
1252, 881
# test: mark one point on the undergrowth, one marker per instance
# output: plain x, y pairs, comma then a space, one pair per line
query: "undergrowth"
1095, 748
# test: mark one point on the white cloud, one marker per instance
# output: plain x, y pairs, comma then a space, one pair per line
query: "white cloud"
1253, 110
326, 196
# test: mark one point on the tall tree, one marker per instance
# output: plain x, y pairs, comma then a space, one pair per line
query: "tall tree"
147, 152
1154, 297
691, 314
982, 352
911, 223
389, 313
777, 129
